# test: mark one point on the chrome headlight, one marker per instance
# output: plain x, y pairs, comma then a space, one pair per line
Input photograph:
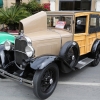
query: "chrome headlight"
29, 51
29, 41
7, 45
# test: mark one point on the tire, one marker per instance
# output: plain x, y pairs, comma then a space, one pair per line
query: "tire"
70, 53
96, 57
45, 81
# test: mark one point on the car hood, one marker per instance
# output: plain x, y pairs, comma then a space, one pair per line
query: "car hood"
49, 41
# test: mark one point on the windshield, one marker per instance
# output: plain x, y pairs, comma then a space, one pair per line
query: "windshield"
60, 21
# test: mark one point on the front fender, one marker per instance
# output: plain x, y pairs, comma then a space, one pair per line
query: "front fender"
2, 55
41, 62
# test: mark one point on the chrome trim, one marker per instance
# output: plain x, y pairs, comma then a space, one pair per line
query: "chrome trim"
33, 51
2, 55
7, 43
16, 78
20, 51
29, 41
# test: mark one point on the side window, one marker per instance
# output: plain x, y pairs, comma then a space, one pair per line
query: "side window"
93, 24
98, 23
80, 24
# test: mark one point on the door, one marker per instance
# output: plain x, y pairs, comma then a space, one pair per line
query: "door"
92, 32
98, 22
81, 31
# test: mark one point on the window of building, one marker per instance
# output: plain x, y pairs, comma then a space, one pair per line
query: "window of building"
18, 2
74, 4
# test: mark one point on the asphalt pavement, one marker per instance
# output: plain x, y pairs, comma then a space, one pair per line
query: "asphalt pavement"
82, 84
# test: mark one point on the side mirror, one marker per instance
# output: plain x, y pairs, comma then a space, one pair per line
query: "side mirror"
79, 22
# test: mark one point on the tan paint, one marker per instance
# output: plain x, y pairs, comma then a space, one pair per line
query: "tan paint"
44, 41
36, 22
48, 41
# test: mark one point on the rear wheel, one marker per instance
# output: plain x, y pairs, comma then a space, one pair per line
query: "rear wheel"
96, 57
45, 81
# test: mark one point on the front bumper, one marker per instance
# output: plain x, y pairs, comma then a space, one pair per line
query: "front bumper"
16, 78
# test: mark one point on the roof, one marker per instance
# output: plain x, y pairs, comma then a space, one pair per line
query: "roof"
68, 12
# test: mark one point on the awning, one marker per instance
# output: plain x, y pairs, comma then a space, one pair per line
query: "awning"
1, 3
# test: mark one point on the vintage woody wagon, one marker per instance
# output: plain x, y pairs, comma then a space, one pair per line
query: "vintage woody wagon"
50, 42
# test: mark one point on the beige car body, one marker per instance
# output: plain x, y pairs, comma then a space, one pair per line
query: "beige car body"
44, 40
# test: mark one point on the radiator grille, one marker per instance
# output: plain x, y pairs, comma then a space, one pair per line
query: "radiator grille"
20, 44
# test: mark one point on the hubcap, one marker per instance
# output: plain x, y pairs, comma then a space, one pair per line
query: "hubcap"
51, 81
73, 57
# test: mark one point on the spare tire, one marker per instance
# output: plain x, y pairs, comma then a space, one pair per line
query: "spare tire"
70, 53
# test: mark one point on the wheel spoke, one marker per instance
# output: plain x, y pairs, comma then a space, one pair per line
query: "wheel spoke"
71, 56
45, 81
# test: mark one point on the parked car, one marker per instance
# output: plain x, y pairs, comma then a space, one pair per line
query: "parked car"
50, 42
4, 36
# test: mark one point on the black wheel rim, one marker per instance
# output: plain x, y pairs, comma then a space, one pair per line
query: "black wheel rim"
71, 56
48, 80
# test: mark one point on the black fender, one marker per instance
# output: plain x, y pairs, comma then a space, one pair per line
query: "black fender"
42, 61
95, 46
2, 55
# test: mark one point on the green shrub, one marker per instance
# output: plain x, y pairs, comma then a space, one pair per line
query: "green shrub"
33, 7
12, 16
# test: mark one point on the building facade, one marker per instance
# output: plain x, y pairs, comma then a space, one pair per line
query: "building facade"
71, 4
56, 5
8, 3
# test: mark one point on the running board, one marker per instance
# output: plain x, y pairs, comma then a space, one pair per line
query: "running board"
82, 63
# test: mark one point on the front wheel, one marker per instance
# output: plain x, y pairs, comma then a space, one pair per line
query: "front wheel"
45, 81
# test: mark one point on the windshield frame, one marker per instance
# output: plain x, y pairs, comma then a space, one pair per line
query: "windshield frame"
65, 15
